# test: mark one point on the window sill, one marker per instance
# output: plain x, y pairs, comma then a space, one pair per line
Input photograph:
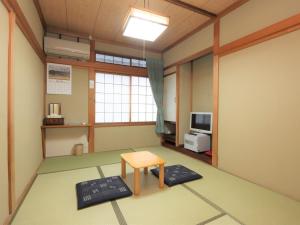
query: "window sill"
127, 124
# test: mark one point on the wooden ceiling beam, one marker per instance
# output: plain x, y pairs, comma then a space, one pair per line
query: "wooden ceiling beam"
192, 8
39, 10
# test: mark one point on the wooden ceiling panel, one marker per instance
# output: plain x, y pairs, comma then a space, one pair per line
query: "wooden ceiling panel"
216, 6
105, 19
197, 3
111, 18
183, 28
54, 12
77, 17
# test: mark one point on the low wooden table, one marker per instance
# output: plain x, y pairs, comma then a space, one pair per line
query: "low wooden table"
143, 159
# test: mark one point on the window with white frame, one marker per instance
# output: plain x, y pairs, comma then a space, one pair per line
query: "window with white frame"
123, 99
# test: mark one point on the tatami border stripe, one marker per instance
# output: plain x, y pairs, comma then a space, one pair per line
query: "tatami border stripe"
211, 203
100, 172
114, 204
212, 219
118, 213
78, 168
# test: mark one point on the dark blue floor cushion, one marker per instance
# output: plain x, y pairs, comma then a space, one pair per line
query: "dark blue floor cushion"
101, 190
177, 174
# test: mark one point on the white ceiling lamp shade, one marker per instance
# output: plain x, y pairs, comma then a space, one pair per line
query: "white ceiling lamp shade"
145, 25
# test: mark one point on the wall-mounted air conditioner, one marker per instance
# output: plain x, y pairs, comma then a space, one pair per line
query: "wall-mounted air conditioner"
72, 49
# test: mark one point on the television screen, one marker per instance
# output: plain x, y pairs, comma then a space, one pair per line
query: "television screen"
201, 121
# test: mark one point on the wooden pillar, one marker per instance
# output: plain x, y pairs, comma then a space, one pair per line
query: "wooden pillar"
91, 98
10, 94
215, 93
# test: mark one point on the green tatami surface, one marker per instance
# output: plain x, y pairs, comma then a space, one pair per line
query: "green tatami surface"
217, 199
63, 163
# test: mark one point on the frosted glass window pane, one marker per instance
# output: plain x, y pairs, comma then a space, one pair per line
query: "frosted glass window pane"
117, 79
142, 108
125, 108
135, 99
99, 117
149, 108
118, 60
99, 107
143, 63
142, 90
117, 108
134, 117
109, 88
125, 117
125, 80
149, 117
117, 98
108, 117
109, 78
109, 108
109, 59
134, 81
126, 61
134, 62
109, 98
99, 97
154, 116
142, 116
117, 117
100, 57
135, 90
125, 90
125, 98
134, 107
100, 77
142, 99
148, 82
99, 87
142, 81
149, 99
118, 89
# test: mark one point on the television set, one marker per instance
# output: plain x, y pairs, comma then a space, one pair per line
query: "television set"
201, 122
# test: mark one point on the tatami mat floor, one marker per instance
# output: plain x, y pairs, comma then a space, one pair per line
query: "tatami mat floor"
217, 199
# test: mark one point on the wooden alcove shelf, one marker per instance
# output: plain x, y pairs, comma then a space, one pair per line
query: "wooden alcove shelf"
45, 127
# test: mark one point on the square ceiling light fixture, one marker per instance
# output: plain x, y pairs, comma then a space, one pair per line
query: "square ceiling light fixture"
145, 25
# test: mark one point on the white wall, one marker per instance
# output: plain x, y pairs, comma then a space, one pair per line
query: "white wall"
170, 98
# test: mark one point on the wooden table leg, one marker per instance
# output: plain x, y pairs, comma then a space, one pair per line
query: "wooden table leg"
146, 170
123, 168
161, 175
136, 185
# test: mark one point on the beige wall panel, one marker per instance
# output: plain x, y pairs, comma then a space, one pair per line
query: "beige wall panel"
3, 113
170, 70
185, 86
28, 109
122, 50
113, 138
75, 110
255, 15
202, 84
259, 125
32, 16
196, 43
74, 107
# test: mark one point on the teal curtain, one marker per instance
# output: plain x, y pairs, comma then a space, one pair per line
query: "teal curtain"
156, 78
